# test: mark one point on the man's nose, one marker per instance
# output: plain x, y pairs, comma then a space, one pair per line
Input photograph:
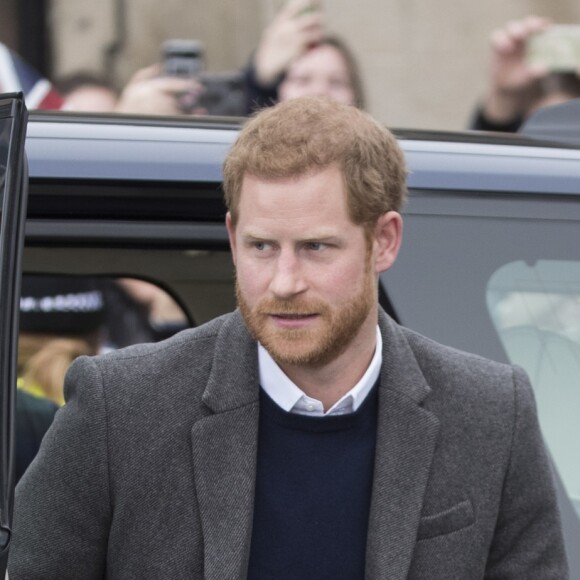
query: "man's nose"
288, 277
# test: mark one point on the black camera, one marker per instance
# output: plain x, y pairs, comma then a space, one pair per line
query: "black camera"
224, 93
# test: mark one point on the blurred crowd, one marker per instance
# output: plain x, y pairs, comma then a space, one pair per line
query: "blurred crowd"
518, 86
62, 318
296, 55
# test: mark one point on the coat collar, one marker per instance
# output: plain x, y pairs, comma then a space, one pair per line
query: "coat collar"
225, 446
400, 371
234, 378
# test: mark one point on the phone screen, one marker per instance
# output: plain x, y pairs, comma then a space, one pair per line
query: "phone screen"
184, 58
557, 48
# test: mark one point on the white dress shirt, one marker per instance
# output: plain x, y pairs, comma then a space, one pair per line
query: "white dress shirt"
292, 399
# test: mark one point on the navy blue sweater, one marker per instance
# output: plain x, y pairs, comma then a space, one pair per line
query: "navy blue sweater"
313, 493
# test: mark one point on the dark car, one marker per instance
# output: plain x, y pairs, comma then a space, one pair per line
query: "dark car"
490, 262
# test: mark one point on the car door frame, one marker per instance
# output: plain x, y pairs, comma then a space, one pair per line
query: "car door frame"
13, 112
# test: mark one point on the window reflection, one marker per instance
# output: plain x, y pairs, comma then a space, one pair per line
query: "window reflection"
536, 312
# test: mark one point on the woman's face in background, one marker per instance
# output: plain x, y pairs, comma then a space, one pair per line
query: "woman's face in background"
323, 71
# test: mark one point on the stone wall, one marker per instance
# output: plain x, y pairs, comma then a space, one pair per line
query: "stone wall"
423, 62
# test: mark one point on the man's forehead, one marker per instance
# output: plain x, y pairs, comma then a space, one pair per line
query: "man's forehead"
314, 202
268, 231
295, 208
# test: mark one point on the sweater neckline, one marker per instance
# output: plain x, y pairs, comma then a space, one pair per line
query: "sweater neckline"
270, 411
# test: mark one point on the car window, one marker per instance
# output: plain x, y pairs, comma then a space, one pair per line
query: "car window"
535, 309
139, 311
66, 316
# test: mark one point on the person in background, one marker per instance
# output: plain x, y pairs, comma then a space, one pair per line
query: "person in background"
296, 58
86, 92
61, 318
149, 92
34, 416
152, 91
515, 89
139, 311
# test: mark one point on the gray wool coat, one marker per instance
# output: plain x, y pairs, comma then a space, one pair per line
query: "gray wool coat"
148, 471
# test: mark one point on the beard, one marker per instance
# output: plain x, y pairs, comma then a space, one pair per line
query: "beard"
333, 332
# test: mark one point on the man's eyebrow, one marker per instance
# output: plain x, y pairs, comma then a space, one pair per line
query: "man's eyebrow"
327, 238
255, 236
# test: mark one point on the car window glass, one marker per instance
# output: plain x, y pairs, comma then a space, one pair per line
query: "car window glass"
139, 311
535, 309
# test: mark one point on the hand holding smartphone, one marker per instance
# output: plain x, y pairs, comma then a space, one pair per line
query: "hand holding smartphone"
217, 94
183, 59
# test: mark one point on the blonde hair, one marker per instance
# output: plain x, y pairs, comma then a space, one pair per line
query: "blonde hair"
312, 133
44, 359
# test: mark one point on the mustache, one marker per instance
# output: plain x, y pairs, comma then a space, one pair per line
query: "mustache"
292, 307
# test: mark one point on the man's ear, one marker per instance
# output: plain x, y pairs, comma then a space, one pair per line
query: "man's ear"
231, 234
388, 237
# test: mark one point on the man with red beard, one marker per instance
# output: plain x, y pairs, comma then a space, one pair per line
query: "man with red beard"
306, 436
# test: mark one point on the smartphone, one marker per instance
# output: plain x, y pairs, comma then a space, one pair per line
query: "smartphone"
557, 48
183, 58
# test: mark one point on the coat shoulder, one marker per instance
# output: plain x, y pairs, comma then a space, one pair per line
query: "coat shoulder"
191, 339
472, 382
434, 357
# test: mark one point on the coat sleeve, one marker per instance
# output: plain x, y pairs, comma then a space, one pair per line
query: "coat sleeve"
62, 507
528, 542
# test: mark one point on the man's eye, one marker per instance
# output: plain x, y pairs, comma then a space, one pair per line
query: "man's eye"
315, 246
261, 246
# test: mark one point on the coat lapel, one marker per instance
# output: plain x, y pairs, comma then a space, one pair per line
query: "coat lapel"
406, 439
224, 453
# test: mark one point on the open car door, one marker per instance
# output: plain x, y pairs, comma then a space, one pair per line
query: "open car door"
13, 193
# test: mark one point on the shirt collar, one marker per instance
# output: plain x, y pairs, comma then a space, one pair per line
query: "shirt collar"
291, 398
